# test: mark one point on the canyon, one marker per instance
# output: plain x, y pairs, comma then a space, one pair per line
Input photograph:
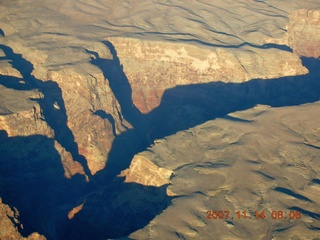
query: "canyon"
135, 118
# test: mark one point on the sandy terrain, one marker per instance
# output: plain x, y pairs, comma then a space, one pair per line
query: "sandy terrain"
260, 160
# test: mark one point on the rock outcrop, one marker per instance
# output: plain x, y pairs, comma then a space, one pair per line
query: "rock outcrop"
152, 67
21, 116
303, 33
260, 160
85, 85
82, 91
9, 220
145, 172
87, 96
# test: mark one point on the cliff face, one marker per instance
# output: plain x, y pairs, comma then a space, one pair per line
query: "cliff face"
80, 70
152, 67
261, 160
21, 116
87, 96
87, 85
145, 172
8, 224
66, 95
302, 33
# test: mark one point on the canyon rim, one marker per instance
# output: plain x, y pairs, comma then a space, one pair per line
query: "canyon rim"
136, 119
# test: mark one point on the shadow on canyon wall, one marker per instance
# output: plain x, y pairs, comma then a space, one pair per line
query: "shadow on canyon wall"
113, 208
187, 106
56, 118
32, 180
32, 177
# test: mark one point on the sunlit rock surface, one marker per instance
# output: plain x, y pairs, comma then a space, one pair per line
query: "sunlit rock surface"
9, 223
86, 87
263, 159
144, 172
303, 33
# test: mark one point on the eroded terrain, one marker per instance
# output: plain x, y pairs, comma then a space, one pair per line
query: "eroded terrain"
135, 118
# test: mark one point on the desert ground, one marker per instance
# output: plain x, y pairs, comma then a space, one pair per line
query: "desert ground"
159, 119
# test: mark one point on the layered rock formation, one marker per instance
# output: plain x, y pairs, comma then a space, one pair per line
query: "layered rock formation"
84, 94
145, 172
86, 85
168, 65
152, 67
302, 33
20, 115
222, 53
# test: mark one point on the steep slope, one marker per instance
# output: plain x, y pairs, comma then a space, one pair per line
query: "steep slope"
163, 65
302, 33
86, 85
84, 93
260, 160
72, 40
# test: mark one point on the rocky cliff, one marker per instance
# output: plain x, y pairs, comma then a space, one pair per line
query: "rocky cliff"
152, 67
77, 90
302, 33
87, 85
9, 222
77, 65
225, 162
260, 160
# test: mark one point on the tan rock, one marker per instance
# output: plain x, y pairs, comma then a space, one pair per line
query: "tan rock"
153, 66
86, 92
70, 166
21, 116
303, 33
7, 69
75, 210
8, 225
144, 172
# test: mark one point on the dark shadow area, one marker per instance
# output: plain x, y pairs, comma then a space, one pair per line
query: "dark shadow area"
187, 106
56, 118
315, 181
36, 185
118, 81
108, 116
115, 209
291, 193
2, 33
32, 180
306, 212
183, 107
14, 83
117, 212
